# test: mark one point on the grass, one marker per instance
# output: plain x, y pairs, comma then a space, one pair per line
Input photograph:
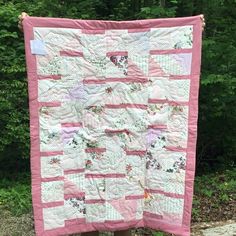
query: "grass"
214, 196
15, 194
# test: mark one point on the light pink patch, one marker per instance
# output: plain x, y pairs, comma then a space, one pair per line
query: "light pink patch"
71, 188
134, 70
127, 210
155, 69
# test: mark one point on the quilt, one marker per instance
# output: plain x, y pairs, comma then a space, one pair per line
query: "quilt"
113, 123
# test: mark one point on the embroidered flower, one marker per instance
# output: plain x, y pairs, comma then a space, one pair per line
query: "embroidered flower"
92, 143
88, 164
135, 87
96, 156
180, 164
44, 110
96, 109
148, 198
78, 203
177, 166
176, 110
54, 160
109, 90
113, 59
128, 168
121, 62
146, 195
151, 162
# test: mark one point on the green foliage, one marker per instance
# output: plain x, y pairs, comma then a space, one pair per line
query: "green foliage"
216, 135
216, 183
15, 196
217, 116
13, 94
214, 194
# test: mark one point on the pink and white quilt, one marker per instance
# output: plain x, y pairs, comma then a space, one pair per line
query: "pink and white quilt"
113, 123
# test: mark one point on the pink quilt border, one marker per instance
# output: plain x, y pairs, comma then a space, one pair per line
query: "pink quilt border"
132, 26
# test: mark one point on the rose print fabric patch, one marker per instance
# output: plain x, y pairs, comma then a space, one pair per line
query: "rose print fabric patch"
113, 123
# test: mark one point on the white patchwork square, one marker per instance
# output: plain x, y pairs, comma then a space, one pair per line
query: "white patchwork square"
115, 40
95, 188
73, 160
111, 69
53, 217
158, 114
71, 66
95, 212
134, 185
50, 117
52, 191
51, 166
138, 43
177, 138
70, 111
169, 182
179, 90
128, 118
107, 162
49, 65
95, 94
171, 37
50, 137
173, 205
135, 165
178, 119
57, 39
159, 88
115, 188
49, 90
93, 44
74, 208
171, 162
138, 64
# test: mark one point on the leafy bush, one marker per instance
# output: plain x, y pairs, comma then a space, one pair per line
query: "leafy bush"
214, 196
15, 195
14, 131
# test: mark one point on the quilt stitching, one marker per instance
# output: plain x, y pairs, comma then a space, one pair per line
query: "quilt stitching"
114, 127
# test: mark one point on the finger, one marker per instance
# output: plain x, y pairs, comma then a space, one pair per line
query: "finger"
19, 22
20, 27
24, 14
203, 27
